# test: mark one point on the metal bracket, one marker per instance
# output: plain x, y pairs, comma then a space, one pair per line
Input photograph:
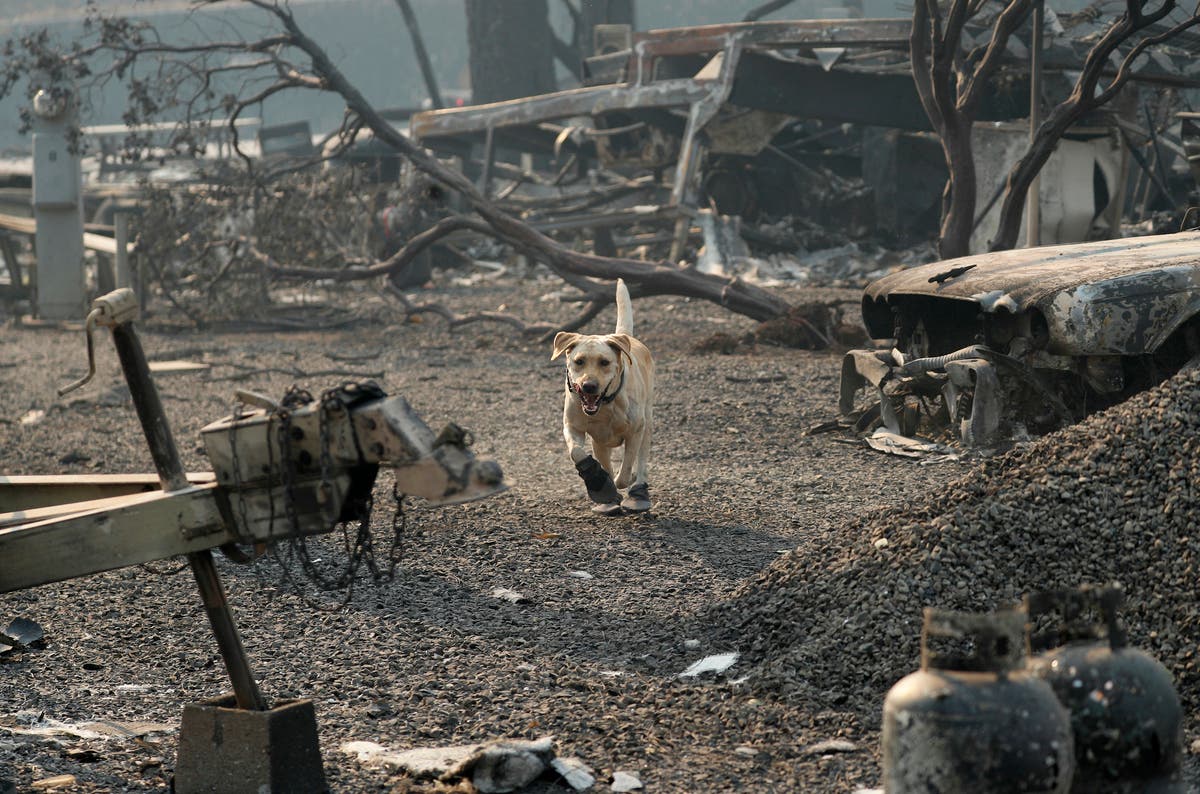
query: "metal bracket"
977, 377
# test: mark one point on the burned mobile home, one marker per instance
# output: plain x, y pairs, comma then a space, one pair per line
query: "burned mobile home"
1027, 340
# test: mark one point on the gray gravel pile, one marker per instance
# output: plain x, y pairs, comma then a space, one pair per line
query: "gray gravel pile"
1112, 499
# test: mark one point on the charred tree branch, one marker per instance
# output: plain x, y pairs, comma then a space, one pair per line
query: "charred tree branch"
1083, 99
455, 320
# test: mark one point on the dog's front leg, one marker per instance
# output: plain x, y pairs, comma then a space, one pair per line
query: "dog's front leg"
599, 484
642, 451
625, 475
576, 443
633, 471
633, 462
604, 455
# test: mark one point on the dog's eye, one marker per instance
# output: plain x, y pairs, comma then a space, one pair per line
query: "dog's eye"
579, 362
604, 362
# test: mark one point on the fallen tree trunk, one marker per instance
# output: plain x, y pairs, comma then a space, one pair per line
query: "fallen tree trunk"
644, 278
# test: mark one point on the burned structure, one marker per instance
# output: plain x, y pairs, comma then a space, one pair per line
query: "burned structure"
806, 120
714, 117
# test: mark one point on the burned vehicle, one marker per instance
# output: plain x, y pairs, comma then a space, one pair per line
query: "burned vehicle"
1002, 344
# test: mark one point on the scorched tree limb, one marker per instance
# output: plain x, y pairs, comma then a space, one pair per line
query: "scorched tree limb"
949, 85
165, 77
1083, 99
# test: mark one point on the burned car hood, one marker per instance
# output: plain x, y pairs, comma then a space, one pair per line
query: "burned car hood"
1112, 297
1030, 276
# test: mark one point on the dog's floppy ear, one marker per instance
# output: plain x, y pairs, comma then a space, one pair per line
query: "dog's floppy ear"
620, 342
563, 341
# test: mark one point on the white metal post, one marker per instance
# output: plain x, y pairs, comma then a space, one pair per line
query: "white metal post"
57, 208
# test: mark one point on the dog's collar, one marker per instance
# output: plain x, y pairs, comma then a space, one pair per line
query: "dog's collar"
605, 399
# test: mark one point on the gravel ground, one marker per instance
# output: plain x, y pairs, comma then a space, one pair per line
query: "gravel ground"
760, 541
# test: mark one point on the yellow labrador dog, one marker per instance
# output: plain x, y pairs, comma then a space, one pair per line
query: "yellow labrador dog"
609, 399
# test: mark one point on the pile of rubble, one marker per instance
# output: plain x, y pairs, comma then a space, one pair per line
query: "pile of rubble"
1112, 499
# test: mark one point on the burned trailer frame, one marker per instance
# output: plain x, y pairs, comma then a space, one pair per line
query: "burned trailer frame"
664, 69
1027, 340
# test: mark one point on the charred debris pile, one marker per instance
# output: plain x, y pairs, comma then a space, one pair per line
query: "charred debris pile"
1111, 499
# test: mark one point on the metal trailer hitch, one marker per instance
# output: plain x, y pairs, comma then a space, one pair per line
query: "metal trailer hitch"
334, 449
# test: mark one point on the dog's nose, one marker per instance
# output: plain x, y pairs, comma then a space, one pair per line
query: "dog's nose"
589, 387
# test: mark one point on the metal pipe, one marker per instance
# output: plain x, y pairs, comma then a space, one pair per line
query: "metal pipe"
245, 688
1161, 182
1140, 159
170, 472
149, 408
933, 363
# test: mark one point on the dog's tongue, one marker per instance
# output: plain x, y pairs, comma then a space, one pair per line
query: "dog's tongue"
591, 402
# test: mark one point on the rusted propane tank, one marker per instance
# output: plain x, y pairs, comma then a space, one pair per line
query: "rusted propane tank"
1125, 712
972, 719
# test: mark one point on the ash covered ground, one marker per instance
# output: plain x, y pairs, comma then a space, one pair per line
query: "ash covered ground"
762, 541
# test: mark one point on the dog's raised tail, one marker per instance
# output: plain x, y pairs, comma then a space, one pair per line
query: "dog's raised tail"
624, 309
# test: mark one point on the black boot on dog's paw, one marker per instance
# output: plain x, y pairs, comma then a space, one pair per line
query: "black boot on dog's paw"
600, 486
638, 499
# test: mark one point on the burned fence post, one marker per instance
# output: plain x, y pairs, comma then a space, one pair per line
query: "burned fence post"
414, 32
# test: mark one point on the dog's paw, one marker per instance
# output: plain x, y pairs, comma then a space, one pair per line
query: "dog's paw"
638, 499
599, 483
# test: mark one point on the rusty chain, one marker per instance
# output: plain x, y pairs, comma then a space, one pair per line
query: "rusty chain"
358, 543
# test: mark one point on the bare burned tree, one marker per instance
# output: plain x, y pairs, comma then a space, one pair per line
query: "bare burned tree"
197, 83
1085, 97
950, 84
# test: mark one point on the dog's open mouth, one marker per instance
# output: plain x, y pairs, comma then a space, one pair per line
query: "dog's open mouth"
590, 403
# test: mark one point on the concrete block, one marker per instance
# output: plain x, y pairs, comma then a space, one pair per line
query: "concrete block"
227, 750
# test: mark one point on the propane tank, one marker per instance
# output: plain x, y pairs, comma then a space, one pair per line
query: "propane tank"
972, 719
1125, 712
